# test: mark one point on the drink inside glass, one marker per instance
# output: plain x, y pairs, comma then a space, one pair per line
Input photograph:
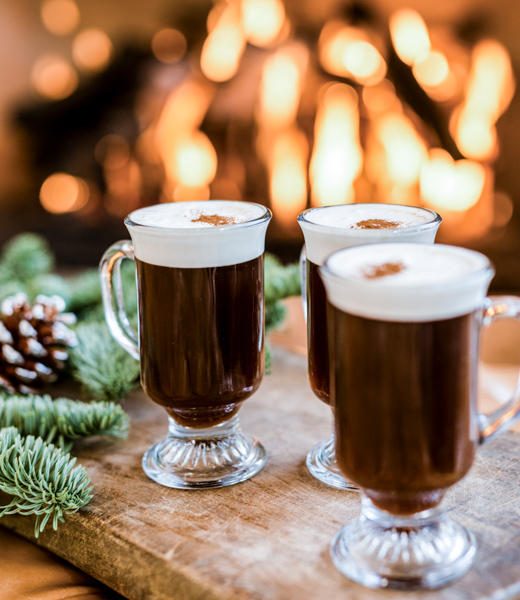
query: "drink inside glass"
331, 228
407, 321
200, 281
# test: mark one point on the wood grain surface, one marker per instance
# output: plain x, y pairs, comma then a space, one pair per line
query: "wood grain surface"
267, 538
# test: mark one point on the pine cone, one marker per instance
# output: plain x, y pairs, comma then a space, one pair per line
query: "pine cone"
34, 341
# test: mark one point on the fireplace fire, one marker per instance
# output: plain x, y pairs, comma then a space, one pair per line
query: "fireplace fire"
367, 142
252, 105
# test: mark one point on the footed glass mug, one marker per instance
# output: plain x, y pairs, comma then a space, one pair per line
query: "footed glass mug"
327, 229
200, 281
406, 344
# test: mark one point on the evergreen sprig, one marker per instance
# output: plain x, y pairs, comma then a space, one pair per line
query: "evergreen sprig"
25, 257
98, 363
62, 420
280, 282
101, 365
41, 478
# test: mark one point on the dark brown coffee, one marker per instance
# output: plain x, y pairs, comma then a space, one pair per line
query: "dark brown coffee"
201, 338
405, 431
317, 338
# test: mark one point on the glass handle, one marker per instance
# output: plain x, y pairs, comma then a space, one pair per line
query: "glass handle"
113, 302
303, 279
495, 423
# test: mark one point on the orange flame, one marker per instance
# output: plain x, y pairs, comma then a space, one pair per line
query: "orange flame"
288, 176
337, 156
189, 158
224, 46
405, 151
281, 86
451, 185
262, 21
409, 35
432, 69
348, 52
281, 145
489, 91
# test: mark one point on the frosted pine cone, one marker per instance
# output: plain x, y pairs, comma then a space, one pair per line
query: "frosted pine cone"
34, 341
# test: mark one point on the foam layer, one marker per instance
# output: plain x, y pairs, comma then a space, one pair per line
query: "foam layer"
187, 215
211, 233
331, 228
347, 216
407, 282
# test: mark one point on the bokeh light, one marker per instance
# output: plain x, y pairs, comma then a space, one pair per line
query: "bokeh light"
62, 193
54, 77
60, 17
169, 45
409, 35
262, 21
91, 50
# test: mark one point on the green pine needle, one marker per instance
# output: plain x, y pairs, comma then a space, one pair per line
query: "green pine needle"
25, 257
280, 282
61, 421
41, 478
84, 291
101, 365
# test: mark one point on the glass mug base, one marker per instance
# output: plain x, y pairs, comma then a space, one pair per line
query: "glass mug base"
213, 457
427, 550
321, 462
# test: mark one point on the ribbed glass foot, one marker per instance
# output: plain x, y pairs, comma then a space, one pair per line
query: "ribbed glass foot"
191, 458
424, 551
321, 462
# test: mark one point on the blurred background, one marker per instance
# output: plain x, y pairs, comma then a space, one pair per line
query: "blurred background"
109, 106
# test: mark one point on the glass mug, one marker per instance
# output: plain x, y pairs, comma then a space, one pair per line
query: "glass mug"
327, 229
407, 321
200, 282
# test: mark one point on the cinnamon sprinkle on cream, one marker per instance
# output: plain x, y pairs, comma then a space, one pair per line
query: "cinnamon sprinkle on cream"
376, 224
383, 270
215, 220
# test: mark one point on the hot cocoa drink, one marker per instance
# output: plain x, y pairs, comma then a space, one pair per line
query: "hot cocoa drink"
405, 346
201, 338
334, 227
200, 283
200, 309
402, 394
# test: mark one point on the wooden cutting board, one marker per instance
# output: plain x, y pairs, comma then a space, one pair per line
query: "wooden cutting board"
267, 538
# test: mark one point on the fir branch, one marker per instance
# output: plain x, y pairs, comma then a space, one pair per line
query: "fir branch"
84, 291
274, 315
280, 281
62, 420
101, 365
41, 478
48, 284
25, 257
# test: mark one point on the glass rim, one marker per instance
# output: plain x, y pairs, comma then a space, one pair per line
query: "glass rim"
487, 268
435, 221
266, 216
